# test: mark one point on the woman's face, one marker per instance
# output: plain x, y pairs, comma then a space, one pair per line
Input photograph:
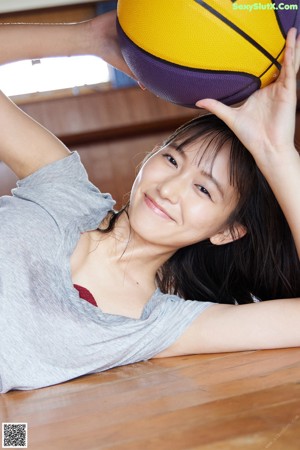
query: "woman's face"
178, 199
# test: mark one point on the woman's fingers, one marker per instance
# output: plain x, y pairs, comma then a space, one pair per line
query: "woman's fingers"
291, 60
225, 113
297, 54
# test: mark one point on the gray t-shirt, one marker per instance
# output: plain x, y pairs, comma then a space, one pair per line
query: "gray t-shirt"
48, 334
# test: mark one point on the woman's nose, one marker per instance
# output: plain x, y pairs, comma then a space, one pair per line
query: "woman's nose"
171, 189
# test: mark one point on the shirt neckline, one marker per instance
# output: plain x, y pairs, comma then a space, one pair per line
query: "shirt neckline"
96, 308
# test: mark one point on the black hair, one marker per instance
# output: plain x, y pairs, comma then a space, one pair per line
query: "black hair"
263, 263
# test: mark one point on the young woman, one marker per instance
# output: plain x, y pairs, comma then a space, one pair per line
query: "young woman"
193, 201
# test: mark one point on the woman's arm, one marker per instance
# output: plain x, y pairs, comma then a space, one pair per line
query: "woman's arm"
41, 40
97, 36
26, 146
231, 328
265, 124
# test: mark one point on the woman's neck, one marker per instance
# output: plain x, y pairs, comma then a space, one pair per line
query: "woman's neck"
132, 254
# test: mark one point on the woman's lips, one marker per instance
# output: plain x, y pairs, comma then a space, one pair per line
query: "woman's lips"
155, 207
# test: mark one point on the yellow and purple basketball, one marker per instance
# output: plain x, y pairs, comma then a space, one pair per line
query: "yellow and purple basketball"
186, 50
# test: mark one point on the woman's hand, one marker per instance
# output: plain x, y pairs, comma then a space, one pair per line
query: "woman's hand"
97, 36
32, 147
104, 41
265, 122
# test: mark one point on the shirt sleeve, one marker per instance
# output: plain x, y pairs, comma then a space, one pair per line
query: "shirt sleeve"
84, 340
63, 190
164, 319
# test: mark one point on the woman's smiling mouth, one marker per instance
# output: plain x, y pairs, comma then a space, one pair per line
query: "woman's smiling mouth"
156, 208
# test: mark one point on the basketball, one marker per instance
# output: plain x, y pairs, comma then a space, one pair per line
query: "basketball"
187, 50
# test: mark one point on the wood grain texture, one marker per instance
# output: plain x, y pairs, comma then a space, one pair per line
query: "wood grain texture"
245, 400
106, 110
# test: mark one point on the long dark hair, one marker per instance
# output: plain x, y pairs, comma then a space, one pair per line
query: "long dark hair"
262, 264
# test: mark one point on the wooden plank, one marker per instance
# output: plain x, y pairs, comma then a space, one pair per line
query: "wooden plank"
245, 400
103, 111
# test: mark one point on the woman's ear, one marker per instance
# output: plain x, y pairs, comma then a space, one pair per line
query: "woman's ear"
229, 235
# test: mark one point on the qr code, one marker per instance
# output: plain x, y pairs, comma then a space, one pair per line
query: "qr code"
14, 435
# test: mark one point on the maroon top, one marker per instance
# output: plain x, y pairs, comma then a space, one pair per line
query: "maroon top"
85, 294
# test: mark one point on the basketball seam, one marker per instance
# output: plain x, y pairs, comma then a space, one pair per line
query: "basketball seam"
281, 51
228, 97
239, 31
245, 88
192, 69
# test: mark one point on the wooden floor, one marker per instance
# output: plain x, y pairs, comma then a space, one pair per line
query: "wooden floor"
247, 400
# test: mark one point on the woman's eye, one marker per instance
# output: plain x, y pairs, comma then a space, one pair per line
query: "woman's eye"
170, 159
203, 190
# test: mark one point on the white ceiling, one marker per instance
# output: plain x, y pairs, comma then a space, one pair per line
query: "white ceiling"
7, 6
